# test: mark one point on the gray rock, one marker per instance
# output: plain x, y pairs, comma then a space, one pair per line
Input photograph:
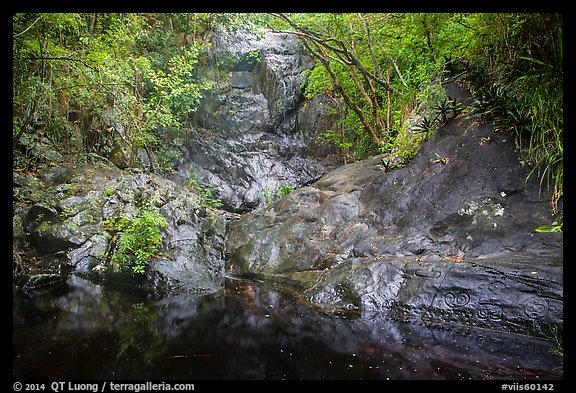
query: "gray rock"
256, 133
81, 198
449, 238
47, 232
514, 294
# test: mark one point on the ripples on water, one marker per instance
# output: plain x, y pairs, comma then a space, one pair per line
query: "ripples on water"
80, 330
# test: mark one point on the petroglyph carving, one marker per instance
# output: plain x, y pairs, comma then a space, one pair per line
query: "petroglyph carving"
427, 273
460, 299
492, 312
536, 307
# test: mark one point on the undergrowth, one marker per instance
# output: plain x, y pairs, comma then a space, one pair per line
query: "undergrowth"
139, 238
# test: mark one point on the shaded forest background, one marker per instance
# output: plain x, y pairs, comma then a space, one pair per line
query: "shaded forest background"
121, 85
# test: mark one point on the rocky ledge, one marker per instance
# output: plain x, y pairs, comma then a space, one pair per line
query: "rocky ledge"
447, 239
66, 226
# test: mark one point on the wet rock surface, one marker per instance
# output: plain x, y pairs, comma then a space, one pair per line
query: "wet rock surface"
255, 132
444, 240
249, 330
498, 294
448, 238
67, 227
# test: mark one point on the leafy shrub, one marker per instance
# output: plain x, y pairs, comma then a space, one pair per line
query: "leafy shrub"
280, 192
520, 58
426, 125
139, 238
534, 115
206, 194
493, 102
406, 145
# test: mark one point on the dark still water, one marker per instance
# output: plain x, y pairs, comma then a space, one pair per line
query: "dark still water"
80, 330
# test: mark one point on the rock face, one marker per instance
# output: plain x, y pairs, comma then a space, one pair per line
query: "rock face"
448, 238
255, 132
66, 226
251, 331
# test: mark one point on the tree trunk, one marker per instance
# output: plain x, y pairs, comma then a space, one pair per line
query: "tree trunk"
351, 104
346, 57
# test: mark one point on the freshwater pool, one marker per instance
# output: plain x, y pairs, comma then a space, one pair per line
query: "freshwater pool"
249, 330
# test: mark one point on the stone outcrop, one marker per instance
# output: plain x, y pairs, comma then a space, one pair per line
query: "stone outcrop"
252, 134
448, 238
66, 226
253, 331
255, 132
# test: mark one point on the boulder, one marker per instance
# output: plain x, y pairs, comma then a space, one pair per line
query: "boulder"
48, 233
78, 200
448, 238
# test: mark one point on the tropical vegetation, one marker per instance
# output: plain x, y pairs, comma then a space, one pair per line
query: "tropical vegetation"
121, 85
378, 67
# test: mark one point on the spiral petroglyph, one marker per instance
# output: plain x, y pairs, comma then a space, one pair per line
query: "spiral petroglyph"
492, 312
455, 300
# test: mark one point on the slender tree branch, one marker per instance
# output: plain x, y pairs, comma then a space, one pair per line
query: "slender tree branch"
29, 27
347, 99
342, 49
399, 73
64, 58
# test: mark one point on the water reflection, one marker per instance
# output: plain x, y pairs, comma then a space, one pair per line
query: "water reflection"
246, 331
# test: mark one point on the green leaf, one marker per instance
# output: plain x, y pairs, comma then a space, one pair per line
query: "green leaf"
549, 228
530, 59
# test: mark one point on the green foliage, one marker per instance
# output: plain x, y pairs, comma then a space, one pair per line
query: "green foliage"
403, 51
115, 84
254, 56
403, 147
115, 224
519, 58
175, 93
139, 238
556, 226
280, 192
542, 133
108, 191
285, 190
559, 346
534, 115
549, 228
349, 137
206, 194
426, 125
446, 109
555, 336
494, 104
104, 83
514, 62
